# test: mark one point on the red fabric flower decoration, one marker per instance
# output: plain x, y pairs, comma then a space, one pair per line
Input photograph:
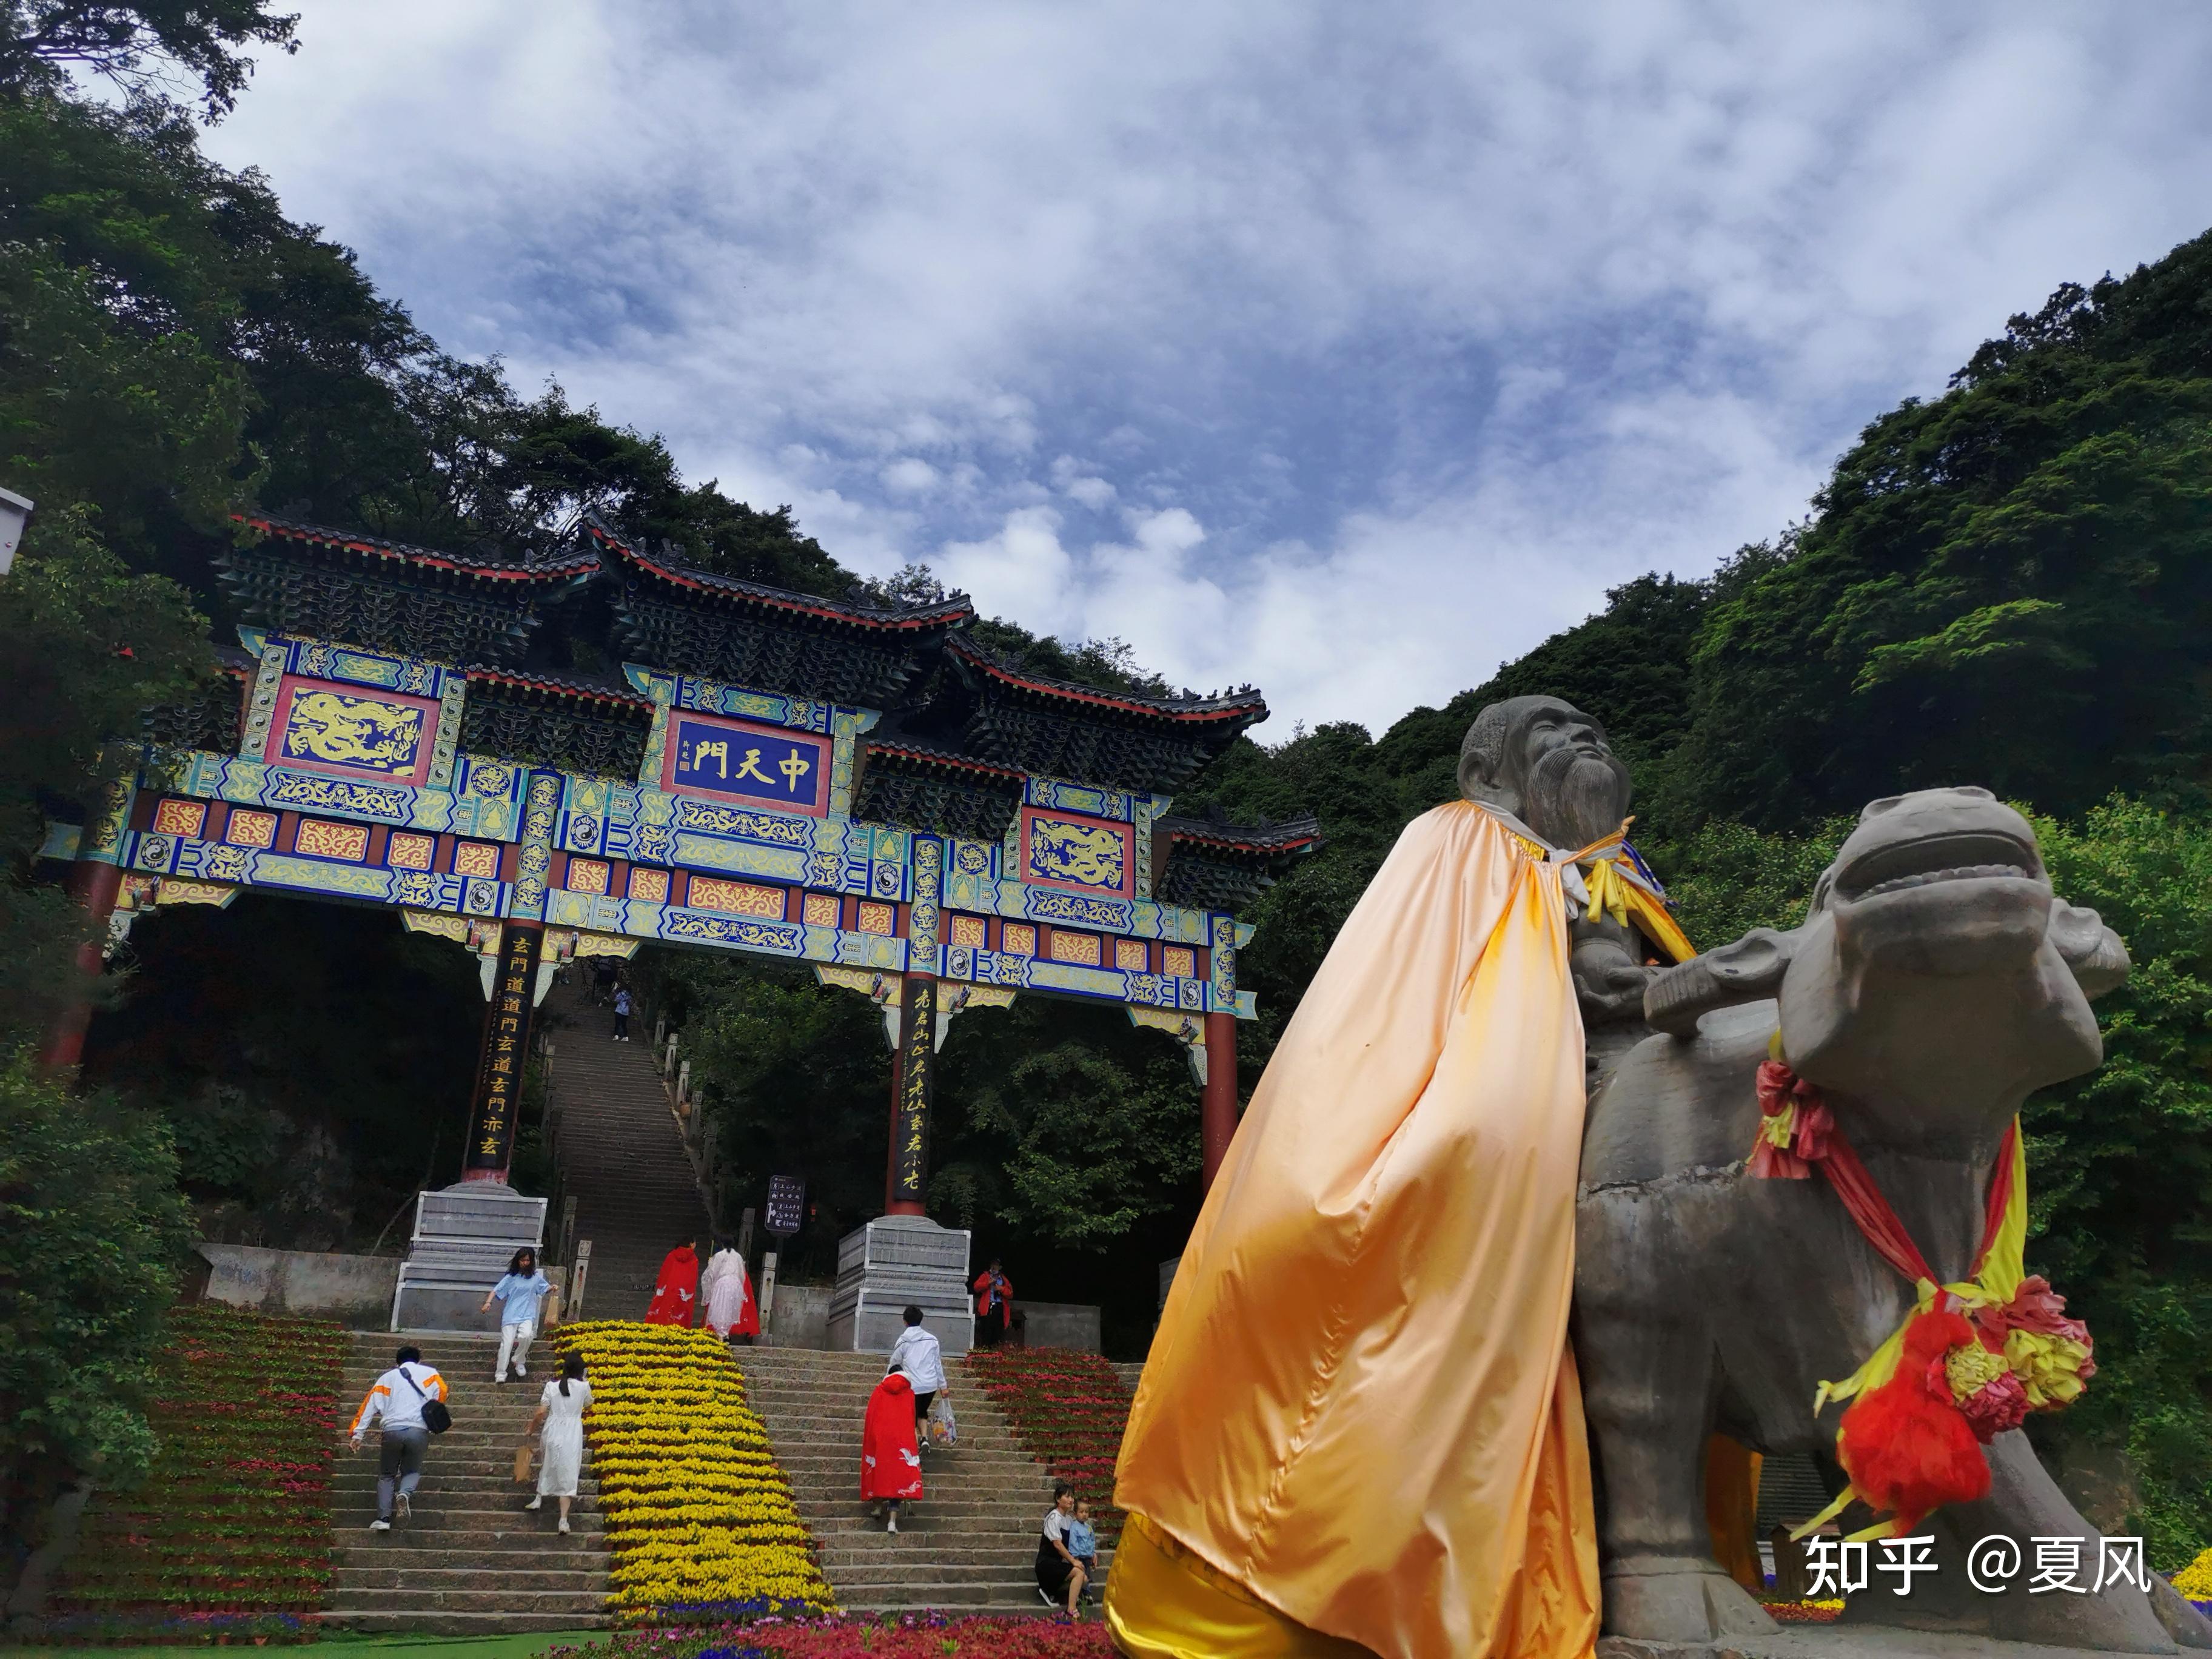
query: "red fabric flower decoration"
1907, 1445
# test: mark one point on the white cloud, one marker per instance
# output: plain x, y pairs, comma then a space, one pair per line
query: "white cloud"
1428, 321
910, 476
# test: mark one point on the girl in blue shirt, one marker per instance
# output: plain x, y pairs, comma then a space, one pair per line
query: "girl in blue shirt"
520, 1291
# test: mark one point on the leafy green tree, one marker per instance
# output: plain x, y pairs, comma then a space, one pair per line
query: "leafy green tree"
144, 49
93, 1230
1061, 1122
2010, 585
2120, 1165
85, 648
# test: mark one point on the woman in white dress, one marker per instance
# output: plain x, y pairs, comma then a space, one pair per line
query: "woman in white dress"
727, 1295
561, 1443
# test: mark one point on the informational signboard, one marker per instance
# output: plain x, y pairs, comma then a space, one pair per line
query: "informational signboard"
786, 1205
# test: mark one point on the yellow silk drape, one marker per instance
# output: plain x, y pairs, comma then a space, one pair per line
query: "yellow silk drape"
1360, 1407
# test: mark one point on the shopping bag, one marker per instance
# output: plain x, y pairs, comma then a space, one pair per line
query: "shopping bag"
943, 1430
522, 1463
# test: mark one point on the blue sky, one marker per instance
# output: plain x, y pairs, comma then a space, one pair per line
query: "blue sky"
1345, 350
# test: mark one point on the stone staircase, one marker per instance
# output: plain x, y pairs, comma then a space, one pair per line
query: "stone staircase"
472, 1560
969, 1543
621, 1156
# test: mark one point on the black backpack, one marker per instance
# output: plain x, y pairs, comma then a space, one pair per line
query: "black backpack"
435, 1417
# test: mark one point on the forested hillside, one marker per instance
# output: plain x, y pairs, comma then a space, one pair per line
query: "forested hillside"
2008, 583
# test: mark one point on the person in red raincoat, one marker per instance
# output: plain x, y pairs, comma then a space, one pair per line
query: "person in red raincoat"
677, 1294
995, 1305
890, 1458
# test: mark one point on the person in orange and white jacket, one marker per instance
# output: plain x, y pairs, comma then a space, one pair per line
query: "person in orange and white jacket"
396, 1400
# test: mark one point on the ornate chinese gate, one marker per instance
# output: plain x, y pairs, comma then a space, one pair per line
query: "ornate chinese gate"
866, 790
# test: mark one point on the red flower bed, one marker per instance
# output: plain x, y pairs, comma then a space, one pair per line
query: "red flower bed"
232, 1529
1069, 1410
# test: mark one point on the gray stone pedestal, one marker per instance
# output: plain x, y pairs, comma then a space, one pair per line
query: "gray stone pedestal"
464, 1235
894, 1262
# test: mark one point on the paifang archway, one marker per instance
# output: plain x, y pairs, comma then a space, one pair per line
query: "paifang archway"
867, 790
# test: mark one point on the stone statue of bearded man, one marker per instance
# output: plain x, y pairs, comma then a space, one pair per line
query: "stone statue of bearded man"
1546, 763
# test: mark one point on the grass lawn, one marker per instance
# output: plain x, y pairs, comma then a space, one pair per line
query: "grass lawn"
397, 1645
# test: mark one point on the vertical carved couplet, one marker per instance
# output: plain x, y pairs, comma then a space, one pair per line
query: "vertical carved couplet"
913, 1085
490, 1146
1217, 1113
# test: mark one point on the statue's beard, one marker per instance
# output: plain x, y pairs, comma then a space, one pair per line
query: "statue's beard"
1573, 799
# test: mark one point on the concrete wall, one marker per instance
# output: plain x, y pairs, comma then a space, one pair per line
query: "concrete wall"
355, 1289
1059, 1324
800, 1318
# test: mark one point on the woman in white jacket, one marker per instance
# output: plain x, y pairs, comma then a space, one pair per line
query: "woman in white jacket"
917, 1354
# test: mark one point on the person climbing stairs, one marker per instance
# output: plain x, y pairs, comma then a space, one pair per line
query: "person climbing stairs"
468, 1559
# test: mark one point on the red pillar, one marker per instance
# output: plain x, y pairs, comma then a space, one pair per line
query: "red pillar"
94, 885
490, 1148
913, 1085
1218, 1108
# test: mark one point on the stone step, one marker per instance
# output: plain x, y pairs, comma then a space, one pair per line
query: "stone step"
404, 1545
441, 1622
459, 1527
412, 1575
581, 1605
454, 1483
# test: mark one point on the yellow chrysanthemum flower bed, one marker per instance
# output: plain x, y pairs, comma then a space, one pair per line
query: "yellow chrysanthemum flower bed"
2195, 1580
700, 1519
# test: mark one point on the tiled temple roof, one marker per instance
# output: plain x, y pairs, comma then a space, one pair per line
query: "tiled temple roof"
341, 585
1065, 730
1211, 863
749, 634
961, 728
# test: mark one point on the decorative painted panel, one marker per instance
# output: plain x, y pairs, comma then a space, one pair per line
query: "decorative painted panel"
734, 759
1130, 954
476, 857
1082, 949
742, 898
590, 876
707, 928
1077, 909
774, 828
410, 852
319, 726
534, 858
819, 910
922, 917
1178, 962
319, 839
879, 919
971, 880
180, 817
1083, 798
968, 930
1017, 939
650, 886
737, 857
1081, 855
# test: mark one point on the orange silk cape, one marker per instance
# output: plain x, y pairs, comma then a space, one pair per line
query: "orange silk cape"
1360, 1423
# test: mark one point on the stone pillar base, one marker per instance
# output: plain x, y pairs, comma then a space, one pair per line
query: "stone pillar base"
894, 1263
464, 1235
